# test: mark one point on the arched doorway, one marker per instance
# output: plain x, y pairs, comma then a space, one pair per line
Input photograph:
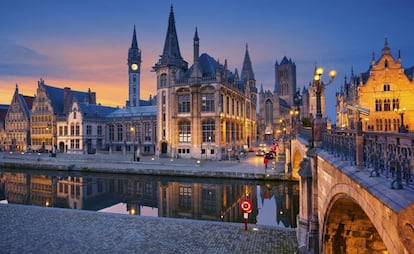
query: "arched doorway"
348, 229
164, 148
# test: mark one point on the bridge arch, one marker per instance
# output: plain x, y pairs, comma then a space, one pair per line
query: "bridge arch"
351, 219
298, 153
348, 229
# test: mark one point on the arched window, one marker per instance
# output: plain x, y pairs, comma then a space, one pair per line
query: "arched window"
208, 128
184, 131
386, 63
163, 79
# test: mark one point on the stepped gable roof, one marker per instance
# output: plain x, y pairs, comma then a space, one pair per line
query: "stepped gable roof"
134, 111
94, 110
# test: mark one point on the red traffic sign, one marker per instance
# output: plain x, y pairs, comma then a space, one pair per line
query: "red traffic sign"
246, 205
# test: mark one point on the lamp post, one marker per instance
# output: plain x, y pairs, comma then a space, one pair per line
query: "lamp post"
401, 112
319, 123
133, 142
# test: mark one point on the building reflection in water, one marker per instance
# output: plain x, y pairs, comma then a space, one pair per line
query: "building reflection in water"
200, 199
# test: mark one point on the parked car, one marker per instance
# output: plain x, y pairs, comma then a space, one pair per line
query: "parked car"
260, 152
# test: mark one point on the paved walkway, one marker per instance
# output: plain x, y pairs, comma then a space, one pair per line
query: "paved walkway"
27, 229
250, 168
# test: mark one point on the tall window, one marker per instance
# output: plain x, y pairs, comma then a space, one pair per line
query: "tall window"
207, 102
184, 132
387, 106
147, 131
184, 200
72, 130
88, 130
77, 130
208, 128
99, 130
209, 201
163, 79
119, 127
184, 103
138, 132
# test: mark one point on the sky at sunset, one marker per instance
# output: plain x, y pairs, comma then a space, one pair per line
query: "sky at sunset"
84, 44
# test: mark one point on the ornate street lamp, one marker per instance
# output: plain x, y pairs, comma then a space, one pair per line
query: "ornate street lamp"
401, 112
319, 124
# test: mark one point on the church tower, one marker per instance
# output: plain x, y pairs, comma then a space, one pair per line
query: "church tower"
285, 80
134, 71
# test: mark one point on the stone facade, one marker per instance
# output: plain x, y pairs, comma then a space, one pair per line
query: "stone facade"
386, 90
17, 122
204, 111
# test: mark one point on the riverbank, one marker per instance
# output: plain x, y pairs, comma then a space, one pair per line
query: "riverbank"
250, 168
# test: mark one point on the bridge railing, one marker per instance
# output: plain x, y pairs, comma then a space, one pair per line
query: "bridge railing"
387, 155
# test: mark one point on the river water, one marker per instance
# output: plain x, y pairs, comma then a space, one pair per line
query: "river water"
274, 203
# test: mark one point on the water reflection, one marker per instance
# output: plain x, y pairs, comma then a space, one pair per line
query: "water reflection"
274, 203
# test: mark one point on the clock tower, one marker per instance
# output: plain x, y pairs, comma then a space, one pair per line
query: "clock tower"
134, 71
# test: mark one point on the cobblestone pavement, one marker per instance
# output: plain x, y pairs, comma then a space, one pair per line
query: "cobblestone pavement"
27, 229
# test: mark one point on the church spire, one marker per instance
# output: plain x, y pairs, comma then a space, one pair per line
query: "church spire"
386, 50
134, 44
171, 47
171, 55
247, 70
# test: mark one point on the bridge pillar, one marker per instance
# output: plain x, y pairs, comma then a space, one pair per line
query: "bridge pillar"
308, 224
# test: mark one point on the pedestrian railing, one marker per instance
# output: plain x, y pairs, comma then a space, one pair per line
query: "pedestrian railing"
386, 155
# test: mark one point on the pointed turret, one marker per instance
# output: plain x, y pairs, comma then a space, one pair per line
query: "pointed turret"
386, 50
171, 55
196, 48
134, 43
171, 47
247, 70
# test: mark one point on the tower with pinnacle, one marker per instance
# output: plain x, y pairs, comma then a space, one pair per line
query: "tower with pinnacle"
134, 71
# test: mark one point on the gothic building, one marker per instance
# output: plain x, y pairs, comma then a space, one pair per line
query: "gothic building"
275, 107
203, 111
386, 90
17, 122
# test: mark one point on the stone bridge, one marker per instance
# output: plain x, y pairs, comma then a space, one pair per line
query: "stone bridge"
351, 205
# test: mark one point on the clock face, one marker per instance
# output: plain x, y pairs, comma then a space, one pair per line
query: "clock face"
134, 67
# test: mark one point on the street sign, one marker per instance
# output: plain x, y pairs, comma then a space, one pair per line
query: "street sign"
246, 205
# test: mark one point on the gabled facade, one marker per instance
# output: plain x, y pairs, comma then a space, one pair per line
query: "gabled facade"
386, 90
83, 130
204, 111
50, 105
17, 122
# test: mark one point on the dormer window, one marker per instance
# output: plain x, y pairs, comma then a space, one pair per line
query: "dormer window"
386, 64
